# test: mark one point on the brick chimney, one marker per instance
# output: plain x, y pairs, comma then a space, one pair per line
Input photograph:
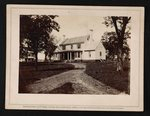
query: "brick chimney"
91, 34
64, 37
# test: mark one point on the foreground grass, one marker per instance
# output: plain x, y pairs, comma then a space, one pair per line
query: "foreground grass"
28, 74
107, 74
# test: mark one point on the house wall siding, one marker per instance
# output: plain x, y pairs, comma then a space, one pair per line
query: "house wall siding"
56, 57
86, 49
86, 55
100, 48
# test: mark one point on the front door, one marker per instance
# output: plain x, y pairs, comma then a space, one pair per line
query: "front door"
72, 55
65, 56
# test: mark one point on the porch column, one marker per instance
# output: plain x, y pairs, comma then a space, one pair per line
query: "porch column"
67, 55
70, 56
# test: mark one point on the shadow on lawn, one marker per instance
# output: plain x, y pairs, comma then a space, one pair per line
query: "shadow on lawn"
64, 89
106, 73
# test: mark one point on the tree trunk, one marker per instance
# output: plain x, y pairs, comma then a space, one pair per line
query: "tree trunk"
120, 37
50, 58
36, 61
26, 58
46, 56
119, 61
36, 54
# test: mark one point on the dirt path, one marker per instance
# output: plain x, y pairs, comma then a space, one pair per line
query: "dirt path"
81, 83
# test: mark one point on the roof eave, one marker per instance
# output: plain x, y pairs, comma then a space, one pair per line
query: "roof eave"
72, 43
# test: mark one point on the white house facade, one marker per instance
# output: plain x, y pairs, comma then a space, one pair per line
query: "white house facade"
80, 48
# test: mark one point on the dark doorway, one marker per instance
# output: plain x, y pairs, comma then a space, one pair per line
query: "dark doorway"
65, 56
72, 55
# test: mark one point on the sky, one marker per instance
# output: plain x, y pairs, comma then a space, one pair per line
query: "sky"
77, 25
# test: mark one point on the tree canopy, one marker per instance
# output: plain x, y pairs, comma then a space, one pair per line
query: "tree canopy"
116, 41
35, 32
49, 47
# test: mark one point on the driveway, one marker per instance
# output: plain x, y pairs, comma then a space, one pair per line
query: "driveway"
76, 81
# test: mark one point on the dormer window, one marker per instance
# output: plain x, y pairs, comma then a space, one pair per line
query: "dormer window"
78, 46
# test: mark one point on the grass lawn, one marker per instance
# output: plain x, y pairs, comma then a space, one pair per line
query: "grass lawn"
28, 74
106, 73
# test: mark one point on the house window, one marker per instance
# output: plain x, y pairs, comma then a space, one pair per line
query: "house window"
71, 46
64, 47
78, 54
78, 46
100, 53
89, 54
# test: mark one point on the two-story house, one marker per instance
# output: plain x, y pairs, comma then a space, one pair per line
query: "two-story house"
80, 48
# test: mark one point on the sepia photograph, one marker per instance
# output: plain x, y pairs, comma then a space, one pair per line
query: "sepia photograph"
90, 55
57, 55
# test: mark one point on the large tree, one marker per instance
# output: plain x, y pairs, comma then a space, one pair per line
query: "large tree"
36, 29
109, 40
49, 48
116, 41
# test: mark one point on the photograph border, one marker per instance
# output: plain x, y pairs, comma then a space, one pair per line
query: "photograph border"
92, 107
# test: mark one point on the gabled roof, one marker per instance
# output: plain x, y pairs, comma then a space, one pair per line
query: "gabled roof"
58, 49
80, 39
91, 45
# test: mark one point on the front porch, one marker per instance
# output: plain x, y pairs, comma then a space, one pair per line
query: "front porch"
69, 55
